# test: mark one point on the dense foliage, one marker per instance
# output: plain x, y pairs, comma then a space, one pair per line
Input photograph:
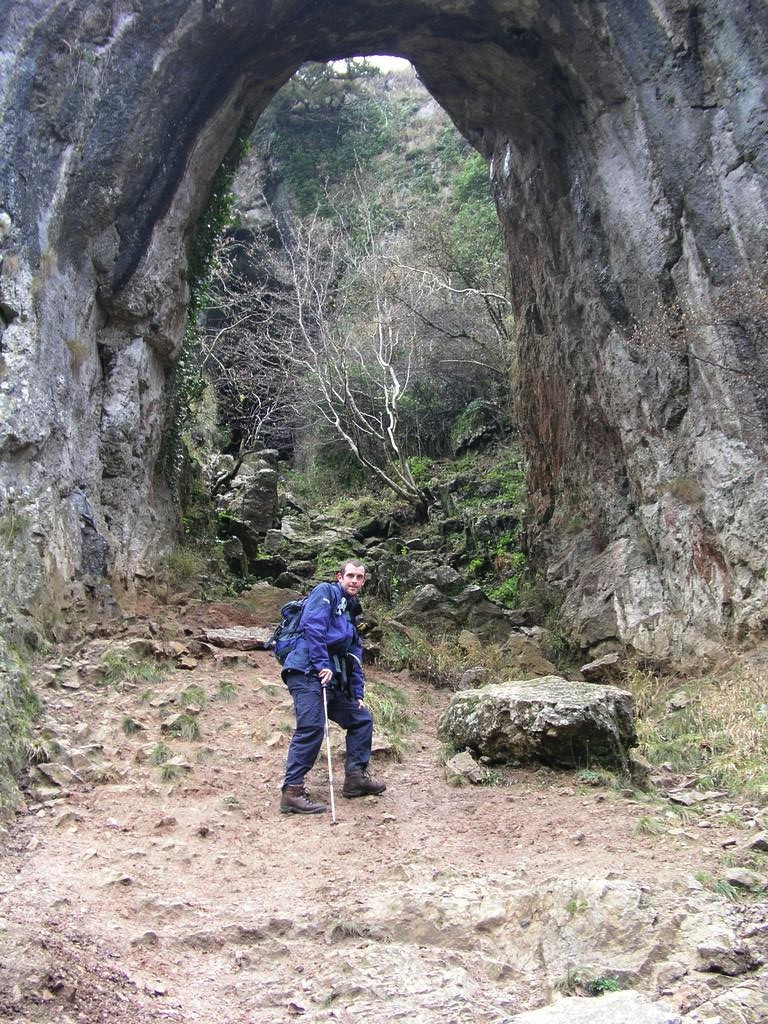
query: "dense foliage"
321, 127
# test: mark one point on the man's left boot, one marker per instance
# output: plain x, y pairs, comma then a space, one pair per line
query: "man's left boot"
357, 782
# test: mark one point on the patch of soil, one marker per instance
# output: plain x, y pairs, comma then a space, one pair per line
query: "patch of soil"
127, 895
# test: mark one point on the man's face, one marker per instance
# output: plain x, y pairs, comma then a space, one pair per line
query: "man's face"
352, 579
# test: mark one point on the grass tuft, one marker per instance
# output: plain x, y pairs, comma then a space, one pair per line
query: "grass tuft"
648, 825
161, 752
171, 772
227, 690
598, 777
130, 726
576, 982
193, 695
122, 667
390, 708
187, 727
720, 735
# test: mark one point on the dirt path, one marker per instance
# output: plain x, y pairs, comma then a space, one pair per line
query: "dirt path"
137, 899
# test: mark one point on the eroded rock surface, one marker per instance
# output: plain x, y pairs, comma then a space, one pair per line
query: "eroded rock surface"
134, 890
613, 1008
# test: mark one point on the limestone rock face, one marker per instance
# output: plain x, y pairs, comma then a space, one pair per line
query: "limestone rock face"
549, 719
627, 149
250, 504
470, 609
585, 927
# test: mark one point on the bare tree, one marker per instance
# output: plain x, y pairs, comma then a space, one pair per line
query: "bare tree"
353, 353
243, 332
348, 319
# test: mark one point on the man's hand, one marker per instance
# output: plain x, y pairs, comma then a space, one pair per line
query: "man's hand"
360, 702
325, 675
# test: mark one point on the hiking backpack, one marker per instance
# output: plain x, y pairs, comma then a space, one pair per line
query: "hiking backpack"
287, 631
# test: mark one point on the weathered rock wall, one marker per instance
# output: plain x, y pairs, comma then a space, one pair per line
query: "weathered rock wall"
627, 145
641, 183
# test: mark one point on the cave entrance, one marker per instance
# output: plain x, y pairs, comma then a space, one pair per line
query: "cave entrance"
363, 234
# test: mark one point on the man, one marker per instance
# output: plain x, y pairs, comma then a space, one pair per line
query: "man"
328, 654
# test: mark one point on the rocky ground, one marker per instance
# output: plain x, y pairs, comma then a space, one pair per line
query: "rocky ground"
129, 892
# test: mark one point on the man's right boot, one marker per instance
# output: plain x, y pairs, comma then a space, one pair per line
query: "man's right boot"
296, 800
357, 782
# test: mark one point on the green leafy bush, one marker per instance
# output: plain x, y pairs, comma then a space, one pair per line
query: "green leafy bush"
321, 127
421, 467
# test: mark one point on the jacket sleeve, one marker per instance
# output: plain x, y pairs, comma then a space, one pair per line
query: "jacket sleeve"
315, 620
355, 663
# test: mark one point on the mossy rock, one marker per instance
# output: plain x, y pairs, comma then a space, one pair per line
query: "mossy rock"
477, 425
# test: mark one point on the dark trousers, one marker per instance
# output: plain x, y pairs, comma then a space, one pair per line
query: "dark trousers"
305, 745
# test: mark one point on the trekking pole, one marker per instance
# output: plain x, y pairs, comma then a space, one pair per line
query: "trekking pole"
328, 751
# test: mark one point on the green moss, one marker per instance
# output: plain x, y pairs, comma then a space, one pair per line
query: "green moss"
13, 525
509, 593
422, 468
331, 558
19, 709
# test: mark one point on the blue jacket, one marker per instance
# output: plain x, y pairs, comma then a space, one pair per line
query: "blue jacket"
327, 629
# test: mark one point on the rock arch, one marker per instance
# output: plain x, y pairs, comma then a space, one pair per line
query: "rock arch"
627, 147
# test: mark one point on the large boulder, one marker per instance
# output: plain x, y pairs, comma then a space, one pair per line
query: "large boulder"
252, 498
398, 569
302, 539
526, 656
551, 720
264, 601
477, 424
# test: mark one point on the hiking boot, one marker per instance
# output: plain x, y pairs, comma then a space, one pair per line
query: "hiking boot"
296, 800
359, 783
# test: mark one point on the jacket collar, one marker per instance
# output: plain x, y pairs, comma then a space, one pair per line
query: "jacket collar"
353, 603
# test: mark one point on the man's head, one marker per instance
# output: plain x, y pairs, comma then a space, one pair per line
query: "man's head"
351, 577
